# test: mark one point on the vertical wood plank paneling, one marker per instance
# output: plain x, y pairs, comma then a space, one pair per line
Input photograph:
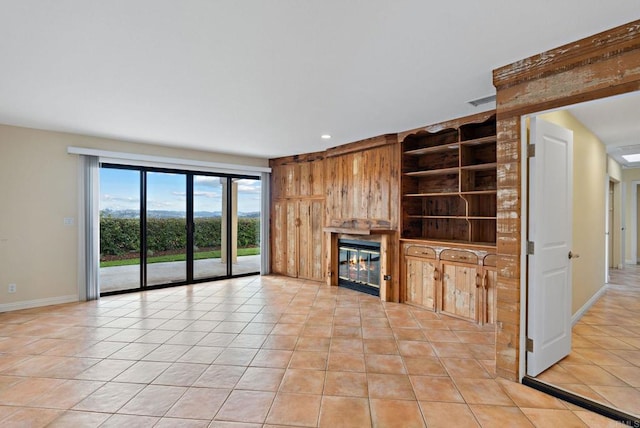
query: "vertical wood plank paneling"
362, 187
304, 240
316, 244
291, 180
278, 237
292, 222
304, 171
317, 177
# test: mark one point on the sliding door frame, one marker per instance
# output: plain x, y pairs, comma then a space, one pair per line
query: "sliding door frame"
190, 224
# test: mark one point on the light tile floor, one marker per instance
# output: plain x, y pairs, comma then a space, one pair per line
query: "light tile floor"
258, 352
604, 364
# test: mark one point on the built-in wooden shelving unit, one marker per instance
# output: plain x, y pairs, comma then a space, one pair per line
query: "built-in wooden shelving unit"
449, 183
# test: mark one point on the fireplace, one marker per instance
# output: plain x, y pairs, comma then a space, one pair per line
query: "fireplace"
359, 265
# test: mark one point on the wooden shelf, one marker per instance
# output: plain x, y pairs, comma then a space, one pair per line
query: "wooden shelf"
424, 173
481, 218
478, 192
478, 141
435, 149
434, 194
490, 246
480, 167
439, 217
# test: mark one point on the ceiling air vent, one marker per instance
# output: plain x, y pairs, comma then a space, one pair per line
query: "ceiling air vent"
485, 100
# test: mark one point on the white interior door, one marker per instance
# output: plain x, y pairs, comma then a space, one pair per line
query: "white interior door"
550, 230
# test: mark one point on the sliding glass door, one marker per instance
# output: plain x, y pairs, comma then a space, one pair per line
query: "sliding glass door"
167, 227
208, 198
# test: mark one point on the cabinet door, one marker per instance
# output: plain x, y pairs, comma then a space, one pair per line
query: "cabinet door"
421, 279
279, 237
459, 290
291, 241
310, 242
490, 286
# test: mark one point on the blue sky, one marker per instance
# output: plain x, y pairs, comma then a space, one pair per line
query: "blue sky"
120, 190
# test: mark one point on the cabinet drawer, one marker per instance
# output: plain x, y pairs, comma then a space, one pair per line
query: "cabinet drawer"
420, 251
490, 260
459, 256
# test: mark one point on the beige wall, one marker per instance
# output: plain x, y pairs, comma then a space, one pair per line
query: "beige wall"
38, 189
628, 177
589, 190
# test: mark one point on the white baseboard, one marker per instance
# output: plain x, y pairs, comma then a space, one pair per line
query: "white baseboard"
576, 317
28, 304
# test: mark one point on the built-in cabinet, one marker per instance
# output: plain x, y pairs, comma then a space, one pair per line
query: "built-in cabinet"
452, 281
297, 217
298, 230
448, 217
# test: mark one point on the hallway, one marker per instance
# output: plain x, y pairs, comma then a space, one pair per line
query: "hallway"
604, 364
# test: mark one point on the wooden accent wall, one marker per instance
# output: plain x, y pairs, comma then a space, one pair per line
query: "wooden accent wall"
363, 183
297, 176
599, 66
358, 185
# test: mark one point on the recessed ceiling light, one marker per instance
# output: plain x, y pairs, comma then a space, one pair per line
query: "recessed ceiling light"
325, 136
632, 158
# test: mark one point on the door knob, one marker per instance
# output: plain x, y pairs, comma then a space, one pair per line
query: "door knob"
573, 256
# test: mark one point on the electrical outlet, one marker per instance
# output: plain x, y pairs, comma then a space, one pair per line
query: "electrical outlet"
12, 288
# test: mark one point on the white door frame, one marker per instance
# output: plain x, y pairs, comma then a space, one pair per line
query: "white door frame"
633, 223
524, 222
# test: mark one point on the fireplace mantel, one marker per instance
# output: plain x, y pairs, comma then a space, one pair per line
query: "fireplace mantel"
354, 231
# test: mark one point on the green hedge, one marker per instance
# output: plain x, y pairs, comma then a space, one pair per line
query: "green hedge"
120, 236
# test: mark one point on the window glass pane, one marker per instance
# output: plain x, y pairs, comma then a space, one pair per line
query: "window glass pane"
166, 228
246, 212
207, 218
119, 229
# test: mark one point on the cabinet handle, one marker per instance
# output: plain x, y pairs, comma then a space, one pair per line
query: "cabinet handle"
485, 281
436, 274
478, 280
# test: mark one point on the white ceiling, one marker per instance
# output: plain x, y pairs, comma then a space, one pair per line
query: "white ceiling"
267, 78
616, 122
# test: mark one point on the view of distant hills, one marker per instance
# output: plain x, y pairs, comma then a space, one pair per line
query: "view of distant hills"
168, 214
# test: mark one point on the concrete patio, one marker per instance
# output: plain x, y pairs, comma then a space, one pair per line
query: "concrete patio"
128, 277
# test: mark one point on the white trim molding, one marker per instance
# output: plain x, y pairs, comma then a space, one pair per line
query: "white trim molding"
580, 312
134, 159
28, 304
